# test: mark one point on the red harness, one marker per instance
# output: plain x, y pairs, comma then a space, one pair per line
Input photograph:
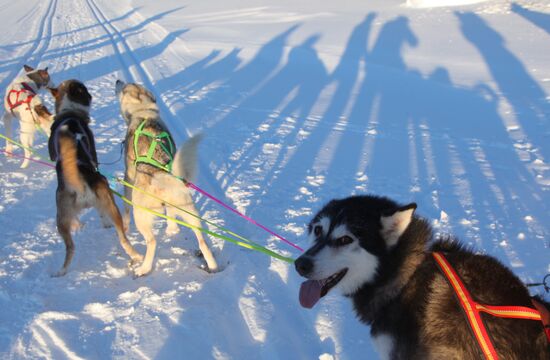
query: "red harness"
472, 309
26, 89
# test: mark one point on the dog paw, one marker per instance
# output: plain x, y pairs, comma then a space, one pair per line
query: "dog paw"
25, 164
142, 271
60, 273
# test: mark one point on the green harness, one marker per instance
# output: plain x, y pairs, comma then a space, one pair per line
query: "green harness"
163, 139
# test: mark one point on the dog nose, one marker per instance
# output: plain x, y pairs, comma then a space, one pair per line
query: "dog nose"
303, 265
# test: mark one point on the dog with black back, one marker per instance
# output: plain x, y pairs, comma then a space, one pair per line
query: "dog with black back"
79, 183
379, 254
155, 168
23, 103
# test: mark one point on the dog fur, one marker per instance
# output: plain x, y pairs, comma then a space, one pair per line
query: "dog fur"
378, 254
137, 104
80, 185
28, 114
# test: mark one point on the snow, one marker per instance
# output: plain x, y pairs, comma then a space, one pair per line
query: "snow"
300, 102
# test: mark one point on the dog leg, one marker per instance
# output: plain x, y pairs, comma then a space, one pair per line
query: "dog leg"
172, 228
106, 206
203, 246
144, 223
64, 222
27, 139
7, 118
127, 207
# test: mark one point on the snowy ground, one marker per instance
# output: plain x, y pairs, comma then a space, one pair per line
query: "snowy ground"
300, 102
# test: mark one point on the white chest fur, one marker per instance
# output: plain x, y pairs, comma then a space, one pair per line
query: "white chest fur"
384, 345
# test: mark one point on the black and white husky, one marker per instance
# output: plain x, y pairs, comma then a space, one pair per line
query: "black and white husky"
23, 102
379, 254
140, 111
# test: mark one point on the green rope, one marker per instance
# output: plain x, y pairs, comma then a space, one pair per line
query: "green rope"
127, 184
249, 244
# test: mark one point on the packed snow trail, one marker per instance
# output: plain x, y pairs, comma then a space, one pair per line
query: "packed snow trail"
300, 102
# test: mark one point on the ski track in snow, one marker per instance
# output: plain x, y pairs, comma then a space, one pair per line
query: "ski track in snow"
291, 121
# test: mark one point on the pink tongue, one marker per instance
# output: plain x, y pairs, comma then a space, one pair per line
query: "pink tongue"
310, 293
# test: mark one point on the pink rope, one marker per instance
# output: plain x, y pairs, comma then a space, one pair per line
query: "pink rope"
195, 187
28, 158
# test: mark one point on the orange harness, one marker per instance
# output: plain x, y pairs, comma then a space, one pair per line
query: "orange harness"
472, 309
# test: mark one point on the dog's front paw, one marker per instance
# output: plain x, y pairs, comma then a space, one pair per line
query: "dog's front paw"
142, 270
25, 164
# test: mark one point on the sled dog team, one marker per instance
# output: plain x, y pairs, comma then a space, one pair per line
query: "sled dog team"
423, 298
152, 162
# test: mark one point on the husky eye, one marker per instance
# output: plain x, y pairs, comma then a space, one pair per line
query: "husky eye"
344, 240
318, 230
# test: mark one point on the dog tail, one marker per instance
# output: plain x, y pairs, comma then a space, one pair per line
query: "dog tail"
69, 161
185, 160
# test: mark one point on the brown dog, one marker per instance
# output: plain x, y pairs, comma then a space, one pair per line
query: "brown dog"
80, 185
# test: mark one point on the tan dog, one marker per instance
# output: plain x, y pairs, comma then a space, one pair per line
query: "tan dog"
154, 175
22, 102
80, 185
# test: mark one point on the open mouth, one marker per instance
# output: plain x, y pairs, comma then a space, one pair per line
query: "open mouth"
312, 290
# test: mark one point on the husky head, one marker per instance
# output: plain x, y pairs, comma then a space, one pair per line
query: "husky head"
349, 238
71, 95
41, 77
135, 100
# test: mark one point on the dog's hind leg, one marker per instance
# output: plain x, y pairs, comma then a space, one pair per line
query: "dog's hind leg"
144, 223
65, 217
27, 139
203, 246
106, 206
7, 118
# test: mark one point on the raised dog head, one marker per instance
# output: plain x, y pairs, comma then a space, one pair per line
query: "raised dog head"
41, 77
135, 100
71, 95
349, 239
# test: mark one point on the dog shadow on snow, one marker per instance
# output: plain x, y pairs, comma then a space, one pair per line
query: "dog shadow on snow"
250, 319
395, 131
387, 129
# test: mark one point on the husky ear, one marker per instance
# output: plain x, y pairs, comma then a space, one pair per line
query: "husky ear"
28, 68
119, 85
395, 223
